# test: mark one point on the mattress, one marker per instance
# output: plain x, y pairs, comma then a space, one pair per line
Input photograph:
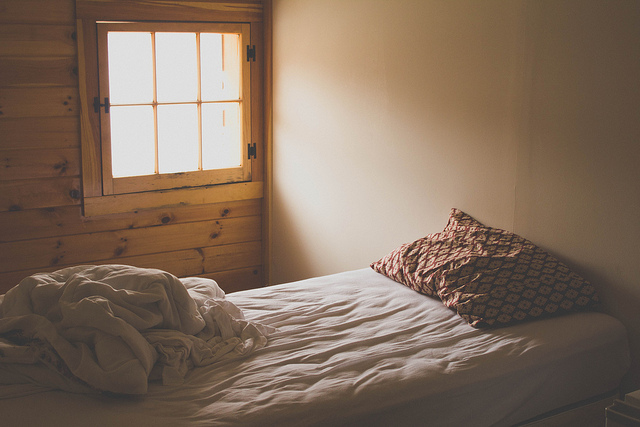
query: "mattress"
357, 348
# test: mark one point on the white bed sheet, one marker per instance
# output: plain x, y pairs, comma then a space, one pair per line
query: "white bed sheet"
357, 348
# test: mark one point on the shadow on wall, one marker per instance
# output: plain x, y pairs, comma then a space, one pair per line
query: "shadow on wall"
287, 235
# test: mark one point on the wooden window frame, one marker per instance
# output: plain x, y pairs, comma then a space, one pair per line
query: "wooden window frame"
95, 200
167, 181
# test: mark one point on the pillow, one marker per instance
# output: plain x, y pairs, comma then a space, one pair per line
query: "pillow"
491, 277
406, 265
457, 218
418, 263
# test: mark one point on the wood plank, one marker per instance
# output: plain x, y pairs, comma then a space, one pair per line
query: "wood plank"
267, 157
185, 263
68, 220
40, 71
37, 40
37, 11
39, 193
221, 258
119, 203
39, 133
90, 121
195, 262
257, 102
237, 280
38, 102
167, 181
170, 10
112, 245
179, 263
28, 164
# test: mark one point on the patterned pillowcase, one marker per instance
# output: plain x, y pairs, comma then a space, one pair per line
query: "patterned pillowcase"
416, 264
457, 218
491, 277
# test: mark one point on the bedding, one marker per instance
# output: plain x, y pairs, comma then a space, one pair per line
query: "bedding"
106, 328
358, 348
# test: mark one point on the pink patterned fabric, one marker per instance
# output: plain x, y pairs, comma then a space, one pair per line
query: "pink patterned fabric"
491, 277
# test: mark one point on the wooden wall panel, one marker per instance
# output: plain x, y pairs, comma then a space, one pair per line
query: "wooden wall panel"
42, 227
68, 220
174, 10
38, 102
191, 262
112, 245
37, 40
31, 193
38, 71
45, 163
34, 133
239, 279
223, 258
37, 11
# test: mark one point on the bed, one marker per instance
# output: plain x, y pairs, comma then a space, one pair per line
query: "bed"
358, 348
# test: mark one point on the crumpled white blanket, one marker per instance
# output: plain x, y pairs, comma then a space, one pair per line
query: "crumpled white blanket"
113, 328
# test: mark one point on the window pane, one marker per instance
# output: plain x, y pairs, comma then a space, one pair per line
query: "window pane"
221, 136
132, 141
177, 138
220, 64
176, 67
130, 68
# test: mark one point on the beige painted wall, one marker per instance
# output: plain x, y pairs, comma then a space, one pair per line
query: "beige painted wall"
522, 113
578, 175
385, 117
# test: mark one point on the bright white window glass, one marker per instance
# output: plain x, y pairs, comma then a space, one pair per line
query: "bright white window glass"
176, 67
177, 138
221, 136
211, 66
231, 58
220, 66
130, 68
132, 141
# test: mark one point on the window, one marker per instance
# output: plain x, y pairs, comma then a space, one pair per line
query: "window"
177, 117
174, 105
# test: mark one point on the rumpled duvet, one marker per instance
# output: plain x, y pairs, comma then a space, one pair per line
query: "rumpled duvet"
113, 328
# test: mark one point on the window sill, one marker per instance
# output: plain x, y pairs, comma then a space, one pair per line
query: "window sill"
133, 202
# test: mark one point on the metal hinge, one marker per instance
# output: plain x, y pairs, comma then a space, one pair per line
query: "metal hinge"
97, 105
251, 53
252, 150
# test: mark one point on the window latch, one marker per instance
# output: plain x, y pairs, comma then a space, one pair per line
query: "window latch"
251, 53
97, 105
252, 150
